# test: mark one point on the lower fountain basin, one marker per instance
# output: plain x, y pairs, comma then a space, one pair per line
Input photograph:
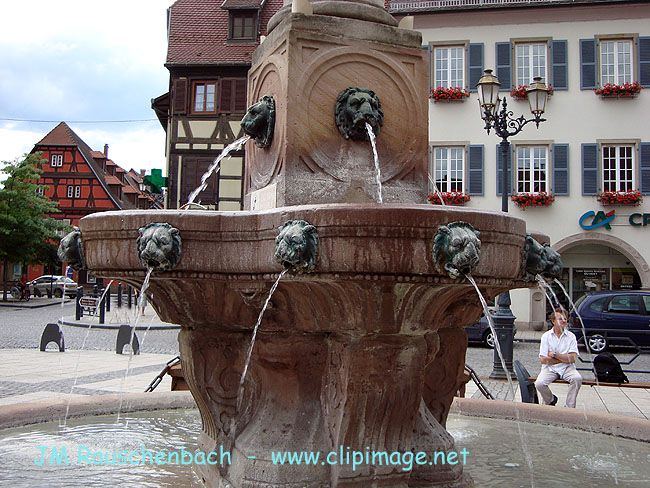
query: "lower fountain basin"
495, 452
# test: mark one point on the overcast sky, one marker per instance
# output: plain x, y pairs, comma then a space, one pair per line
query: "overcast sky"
84, 61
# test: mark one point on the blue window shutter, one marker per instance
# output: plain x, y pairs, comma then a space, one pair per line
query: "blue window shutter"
504, 65
644, 61
560, 183
500, 171
475, 65
589, 169
588, 78
559, 76
427, 49
644, 165
475, 170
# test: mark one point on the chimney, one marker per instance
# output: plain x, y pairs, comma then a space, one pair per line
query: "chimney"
106, 151
143, 172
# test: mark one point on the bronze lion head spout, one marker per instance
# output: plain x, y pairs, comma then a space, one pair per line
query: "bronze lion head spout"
159, 246
354, 108
259, 121
456, 249
296, 246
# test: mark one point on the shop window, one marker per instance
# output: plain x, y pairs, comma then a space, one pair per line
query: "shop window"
204, 97
243, 25
618, 168
615, 62
530, 61
448, 169
532, 169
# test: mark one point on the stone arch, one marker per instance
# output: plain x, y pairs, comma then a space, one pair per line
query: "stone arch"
621, 246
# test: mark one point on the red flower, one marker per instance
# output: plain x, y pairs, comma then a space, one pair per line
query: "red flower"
523, 200
449, 197
453, 93
632, 197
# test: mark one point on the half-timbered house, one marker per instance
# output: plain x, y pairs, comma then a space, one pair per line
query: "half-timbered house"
210, 45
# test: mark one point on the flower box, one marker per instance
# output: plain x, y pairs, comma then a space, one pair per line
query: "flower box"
541, 199
441, 94
627, 90
449, 197
632, 197
520, 93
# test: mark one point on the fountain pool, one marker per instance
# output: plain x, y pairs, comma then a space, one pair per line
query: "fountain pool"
494, 456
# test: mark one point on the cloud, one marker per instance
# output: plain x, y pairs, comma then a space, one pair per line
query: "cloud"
84, 61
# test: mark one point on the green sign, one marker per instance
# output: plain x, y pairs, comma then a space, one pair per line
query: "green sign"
156, 181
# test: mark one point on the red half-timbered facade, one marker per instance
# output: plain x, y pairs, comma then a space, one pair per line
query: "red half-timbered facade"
83, 182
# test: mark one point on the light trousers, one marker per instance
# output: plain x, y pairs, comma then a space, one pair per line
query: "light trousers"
546, 377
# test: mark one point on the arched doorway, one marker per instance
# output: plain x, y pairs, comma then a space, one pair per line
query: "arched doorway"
599, 261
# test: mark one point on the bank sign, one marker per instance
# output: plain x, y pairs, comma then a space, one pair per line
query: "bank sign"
594, 220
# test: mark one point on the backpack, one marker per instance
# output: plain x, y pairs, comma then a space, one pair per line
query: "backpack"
608, 369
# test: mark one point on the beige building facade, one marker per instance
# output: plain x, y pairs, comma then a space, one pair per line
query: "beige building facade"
593, 145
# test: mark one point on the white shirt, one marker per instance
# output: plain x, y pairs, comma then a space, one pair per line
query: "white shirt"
564, 344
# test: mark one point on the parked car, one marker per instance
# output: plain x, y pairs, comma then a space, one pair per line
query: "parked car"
480, 332
58, 284
613, 317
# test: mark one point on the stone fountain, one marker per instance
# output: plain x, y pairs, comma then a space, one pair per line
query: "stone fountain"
362, 347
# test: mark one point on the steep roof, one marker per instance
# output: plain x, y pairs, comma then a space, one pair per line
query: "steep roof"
63, 135
198, 32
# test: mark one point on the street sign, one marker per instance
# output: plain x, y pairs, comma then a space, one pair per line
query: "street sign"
70, 273
88, 302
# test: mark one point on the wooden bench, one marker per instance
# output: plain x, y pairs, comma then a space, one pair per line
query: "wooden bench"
602, 383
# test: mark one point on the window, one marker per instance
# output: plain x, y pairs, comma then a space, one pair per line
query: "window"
531, 62
449, 66
70, 191
77, 191
615, 62
56, 160
449, 168
532, 169
204, 97
243, 24
618, 168
40, 190
623, 304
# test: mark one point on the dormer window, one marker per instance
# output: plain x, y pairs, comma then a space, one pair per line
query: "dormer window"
243, 19
243, 25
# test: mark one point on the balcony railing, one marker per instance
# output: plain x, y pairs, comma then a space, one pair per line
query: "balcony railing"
396, 7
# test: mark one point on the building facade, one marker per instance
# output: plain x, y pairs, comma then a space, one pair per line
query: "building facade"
84, 181
593, 152
210, 45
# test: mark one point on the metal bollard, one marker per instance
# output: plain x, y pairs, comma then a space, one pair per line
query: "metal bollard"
119, 295
102, 309
129, 301
78, 312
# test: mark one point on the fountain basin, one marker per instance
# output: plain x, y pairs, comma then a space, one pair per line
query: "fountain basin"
366, 351
587, 456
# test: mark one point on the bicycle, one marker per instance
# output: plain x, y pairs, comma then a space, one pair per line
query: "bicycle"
19, 294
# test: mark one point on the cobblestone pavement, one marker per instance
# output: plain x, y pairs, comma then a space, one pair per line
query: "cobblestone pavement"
21, 328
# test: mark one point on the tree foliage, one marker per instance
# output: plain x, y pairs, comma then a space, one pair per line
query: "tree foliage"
27, 234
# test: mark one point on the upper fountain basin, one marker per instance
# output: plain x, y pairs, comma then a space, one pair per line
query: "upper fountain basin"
355, 240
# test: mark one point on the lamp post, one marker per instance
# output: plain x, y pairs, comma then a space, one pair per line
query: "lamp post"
496, 116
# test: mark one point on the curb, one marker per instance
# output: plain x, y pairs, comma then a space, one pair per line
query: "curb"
28, 305
116, 327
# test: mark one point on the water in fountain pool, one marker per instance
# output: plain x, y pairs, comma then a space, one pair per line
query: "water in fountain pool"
494, 457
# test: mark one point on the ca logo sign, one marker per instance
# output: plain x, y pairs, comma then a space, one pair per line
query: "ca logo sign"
600, 219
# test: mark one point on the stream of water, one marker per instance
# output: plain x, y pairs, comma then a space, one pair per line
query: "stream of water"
373, 142
215, 166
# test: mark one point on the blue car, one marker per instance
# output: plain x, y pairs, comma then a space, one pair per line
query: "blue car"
613, 317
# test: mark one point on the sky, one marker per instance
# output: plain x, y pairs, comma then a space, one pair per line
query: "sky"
84, 62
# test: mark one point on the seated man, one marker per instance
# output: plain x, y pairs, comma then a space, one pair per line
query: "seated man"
558, 351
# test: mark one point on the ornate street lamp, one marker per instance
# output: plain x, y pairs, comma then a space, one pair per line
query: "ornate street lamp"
496, 116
